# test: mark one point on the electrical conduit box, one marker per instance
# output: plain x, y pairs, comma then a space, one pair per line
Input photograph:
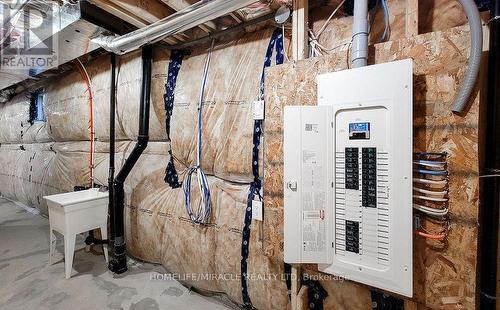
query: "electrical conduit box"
369, 154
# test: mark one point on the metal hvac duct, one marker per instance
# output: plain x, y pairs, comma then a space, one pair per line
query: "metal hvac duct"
192, 16
72, 26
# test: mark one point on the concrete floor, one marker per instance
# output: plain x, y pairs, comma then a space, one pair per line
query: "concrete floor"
28, 282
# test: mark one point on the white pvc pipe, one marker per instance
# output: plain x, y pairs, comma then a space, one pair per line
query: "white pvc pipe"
360, 34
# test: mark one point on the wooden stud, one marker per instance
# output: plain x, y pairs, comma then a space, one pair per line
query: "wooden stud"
410, 305
151, 11
295, 277
119, 12
178, 5
302, 300
411, 18
300, 42
236, 18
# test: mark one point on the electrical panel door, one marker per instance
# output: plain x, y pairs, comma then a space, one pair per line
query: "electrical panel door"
307, 188
372, 218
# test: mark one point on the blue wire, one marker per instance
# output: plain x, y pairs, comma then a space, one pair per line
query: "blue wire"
432, 172
430, 162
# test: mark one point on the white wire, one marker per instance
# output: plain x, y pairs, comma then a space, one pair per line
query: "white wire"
202, 216
386, 33
313, 42
424, 191
317, 48
431, 211
284, 41
426, 163
430, 198
329, 18
431, 182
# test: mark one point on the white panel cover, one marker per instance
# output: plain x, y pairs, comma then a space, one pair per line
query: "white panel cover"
372, 216
308, 184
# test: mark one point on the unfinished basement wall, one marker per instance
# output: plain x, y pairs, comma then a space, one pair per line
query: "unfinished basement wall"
49, 157
56, 158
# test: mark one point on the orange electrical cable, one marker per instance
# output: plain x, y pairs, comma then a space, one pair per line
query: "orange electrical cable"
86, 79
431, 236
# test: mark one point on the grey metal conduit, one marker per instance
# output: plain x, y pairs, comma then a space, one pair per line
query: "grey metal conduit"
476, 48
360, 46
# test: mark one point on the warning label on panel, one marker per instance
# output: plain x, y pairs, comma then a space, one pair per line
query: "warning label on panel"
309, 157
313, 231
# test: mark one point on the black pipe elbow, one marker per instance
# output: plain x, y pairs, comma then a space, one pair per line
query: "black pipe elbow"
119, 262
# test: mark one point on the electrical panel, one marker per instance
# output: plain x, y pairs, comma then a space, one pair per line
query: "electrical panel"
369, 175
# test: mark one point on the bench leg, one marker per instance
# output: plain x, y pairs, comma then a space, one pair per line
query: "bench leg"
52, 245
69, 251
104, 235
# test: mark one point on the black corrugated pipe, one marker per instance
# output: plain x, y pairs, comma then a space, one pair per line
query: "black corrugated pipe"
119, 262
111, 173
490, 177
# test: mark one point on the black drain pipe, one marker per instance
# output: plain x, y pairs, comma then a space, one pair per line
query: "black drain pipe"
111, 173
119, 263
490, 177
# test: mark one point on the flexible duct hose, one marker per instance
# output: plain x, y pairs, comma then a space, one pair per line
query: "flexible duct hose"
476, 48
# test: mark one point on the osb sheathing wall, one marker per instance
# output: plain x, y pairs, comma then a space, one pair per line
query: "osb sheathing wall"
442, 277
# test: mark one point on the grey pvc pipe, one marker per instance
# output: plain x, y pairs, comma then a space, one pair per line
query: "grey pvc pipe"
476, 48
360, 34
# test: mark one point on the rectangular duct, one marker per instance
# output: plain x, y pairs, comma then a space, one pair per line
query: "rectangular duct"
72, 26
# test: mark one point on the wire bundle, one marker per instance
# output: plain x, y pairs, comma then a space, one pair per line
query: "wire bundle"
430, 193
385, 35
318, 49
202, 215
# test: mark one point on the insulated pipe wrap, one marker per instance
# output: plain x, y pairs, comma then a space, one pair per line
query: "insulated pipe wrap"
476, 34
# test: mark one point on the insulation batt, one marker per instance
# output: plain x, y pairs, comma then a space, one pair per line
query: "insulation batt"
50, 157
